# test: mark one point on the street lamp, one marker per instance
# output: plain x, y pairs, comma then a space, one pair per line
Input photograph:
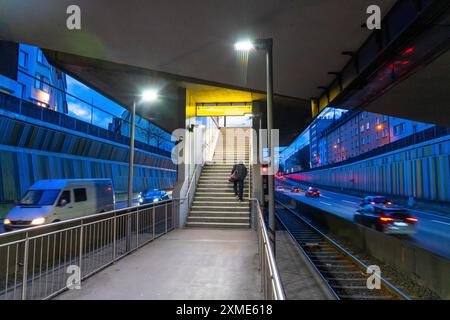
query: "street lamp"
146, 96
266, 45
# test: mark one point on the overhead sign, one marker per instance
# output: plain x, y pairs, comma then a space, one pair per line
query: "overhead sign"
223, 110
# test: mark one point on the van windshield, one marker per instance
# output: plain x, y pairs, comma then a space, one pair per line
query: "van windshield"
40, 197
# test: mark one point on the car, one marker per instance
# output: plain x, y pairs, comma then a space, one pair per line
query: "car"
152, 196
55, 200
375, 200
388, 219
295, 190
312, 192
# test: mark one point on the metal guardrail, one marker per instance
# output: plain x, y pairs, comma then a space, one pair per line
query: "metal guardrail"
270, 279
41, 262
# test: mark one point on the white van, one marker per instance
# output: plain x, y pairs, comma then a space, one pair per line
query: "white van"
56, 200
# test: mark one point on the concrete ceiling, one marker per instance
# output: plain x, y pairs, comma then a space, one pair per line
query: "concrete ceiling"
195, 38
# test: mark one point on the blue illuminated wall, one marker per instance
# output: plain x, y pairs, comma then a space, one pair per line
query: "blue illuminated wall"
421, 171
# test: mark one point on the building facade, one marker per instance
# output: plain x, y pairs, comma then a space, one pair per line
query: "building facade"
36, 80
336, 138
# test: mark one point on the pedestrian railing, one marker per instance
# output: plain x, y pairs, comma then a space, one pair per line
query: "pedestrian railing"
271, 285
41, 262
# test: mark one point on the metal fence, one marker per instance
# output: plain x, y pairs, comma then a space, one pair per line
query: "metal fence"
270, 279
41, 262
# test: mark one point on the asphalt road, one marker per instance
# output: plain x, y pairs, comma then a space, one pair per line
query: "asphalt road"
433, 231
119, 205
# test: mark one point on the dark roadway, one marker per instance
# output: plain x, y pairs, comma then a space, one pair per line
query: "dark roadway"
433, 231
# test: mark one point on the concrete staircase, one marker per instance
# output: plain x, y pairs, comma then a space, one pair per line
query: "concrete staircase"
215, 205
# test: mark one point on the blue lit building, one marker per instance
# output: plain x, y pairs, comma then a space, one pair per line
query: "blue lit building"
37, 81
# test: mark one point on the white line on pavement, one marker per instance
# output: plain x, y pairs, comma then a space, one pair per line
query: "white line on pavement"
328, 204
441, 222
352, 202
326, 197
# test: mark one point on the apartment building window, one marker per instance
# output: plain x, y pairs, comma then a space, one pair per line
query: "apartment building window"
368, 125
356, 131
21, 89
362, 116
41, 83
23, 59
399, 129
377, 120
362, 128
384, 118
385, 132
368, 139
362, 142
377, 136
41, 58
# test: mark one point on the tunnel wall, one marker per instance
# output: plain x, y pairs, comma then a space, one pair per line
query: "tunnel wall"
31, 152
421, 171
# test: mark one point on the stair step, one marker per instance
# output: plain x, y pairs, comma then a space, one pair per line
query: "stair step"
220, 209
216, 225
217, 214
219, 219
236, 203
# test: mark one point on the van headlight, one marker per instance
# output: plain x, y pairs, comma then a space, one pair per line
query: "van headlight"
155, 200
6, 221
38, 221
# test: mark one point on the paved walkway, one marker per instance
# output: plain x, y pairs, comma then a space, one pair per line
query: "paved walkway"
184, 264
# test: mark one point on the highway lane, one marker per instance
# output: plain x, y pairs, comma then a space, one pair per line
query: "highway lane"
433, 231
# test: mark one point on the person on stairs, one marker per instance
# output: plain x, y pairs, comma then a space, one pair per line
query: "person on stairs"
238, 175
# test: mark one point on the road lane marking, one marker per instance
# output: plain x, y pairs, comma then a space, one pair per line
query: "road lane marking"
352, 202
326, 197
328, 204
441, 222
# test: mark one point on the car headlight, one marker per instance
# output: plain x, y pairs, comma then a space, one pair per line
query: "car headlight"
155, 200
38, 221
6, 221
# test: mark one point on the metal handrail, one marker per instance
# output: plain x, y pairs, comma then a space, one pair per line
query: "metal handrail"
270, 279
37, 263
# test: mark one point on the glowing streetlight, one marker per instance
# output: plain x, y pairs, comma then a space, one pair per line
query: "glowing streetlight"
150, 95
245, 45
266, 45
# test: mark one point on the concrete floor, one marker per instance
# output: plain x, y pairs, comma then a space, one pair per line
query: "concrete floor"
184, 264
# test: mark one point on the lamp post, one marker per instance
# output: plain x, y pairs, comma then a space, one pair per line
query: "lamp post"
266, 45
147, 96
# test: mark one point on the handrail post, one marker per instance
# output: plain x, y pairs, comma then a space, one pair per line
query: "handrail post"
165, 215
81, 248
154, 223
114, 236
137, 229
25, 268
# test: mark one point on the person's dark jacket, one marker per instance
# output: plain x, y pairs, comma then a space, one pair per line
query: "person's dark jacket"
241, 171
